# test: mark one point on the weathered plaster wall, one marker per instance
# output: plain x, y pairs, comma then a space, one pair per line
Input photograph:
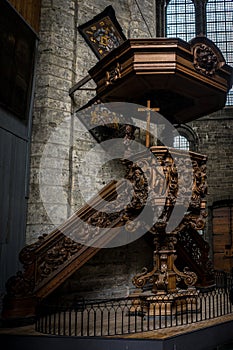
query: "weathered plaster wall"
64, 58
60, 142
215, 139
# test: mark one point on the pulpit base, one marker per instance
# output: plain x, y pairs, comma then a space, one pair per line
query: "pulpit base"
163, 305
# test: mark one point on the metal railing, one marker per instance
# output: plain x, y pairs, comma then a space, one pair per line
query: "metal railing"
134, 315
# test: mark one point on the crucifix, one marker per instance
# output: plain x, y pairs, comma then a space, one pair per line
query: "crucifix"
148, 109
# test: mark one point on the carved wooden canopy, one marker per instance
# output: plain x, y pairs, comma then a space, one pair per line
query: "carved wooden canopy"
185, 80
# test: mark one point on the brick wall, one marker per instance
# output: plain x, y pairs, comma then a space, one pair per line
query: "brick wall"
109, 273
214, 134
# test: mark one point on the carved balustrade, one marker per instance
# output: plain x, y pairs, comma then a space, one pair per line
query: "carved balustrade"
153, 182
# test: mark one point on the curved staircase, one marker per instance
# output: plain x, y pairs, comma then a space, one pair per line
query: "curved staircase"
53, 258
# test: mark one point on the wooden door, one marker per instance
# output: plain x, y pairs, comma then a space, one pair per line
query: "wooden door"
222, 237
17, 60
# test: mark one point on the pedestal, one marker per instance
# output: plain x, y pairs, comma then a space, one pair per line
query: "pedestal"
165, 305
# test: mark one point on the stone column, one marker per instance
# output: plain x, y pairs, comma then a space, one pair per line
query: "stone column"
54, 76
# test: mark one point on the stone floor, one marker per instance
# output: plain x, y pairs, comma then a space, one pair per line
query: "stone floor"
155, 334
158, 335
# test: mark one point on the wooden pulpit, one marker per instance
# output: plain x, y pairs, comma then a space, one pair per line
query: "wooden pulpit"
184, 81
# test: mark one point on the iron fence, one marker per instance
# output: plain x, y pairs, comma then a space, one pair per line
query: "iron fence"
134, 314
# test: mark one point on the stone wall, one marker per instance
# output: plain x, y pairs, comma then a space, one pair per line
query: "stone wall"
215, 140
63, 59
214, 133
60, 142
54, 76
109, 273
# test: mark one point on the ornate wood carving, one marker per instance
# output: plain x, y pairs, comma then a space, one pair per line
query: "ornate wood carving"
165, 184
48, 262
171, 78
205, 60
154, 181
103, 33
113, 74
57, 255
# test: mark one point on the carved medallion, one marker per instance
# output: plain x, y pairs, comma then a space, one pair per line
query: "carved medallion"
205, 60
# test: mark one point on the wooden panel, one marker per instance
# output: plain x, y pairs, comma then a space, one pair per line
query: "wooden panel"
29, 10
221, 228
219, 261
219, 212
163, 70
222, 237
14, 134
13, 151
219, 241
18, 43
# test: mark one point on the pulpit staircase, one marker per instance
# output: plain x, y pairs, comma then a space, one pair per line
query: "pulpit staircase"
53, 258
193, 251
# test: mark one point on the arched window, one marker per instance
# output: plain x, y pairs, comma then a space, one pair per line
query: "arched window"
219, 19
186, 140
181, 142
214, 18
180, 19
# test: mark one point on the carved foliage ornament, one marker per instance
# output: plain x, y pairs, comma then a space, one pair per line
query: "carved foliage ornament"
111, 213
24, 282
205, 60
164, 268
113, 74
150, 182
61, 252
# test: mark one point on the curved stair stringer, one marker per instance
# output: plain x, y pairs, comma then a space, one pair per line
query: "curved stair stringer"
53, 258
49, 261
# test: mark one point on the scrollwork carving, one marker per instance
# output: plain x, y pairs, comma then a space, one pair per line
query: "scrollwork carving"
27, 254
143, 277
113, 74
152, 180
199, 188
189, 277
19, 285
205, 60
56, 256
171, 181
128, 204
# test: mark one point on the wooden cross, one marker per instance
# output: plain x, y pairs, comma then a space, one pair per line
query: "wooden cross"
148, 110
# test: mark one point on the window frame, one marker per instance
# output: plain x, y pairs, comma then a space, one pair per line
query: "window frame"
202, 30
187, 132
